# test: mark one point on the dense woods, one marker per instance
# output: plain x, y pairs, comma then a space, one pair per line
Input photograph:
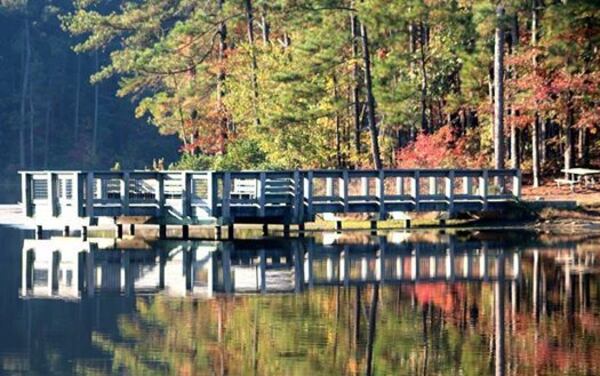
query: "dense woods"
50, 114
322, 83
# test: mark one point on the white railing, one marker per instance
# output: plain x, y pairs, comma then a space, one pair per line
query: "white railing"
288, 196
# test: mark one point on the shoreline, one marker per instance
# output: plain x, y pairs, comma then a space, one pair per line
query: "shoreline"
551, 216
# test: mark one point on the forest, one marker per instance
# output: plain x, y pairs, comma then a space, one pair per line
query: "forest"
51, 116
286, 84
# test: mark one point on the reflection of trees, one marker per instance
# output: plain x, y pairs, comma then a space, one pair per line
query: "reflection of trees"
435, 328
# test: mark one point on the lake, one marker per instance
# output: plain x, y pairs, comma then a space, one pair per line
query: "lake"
401, 303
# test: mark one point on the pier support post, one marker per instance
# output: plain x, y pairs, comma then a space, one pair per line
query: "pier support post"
185, 232
162, 231
119, 231
265, 229
230, 231
442, 222
66, 231
407, 223
338, 226
84, 233
217, 232
132, 229
373, 226
39, 232
301, 229
286, 230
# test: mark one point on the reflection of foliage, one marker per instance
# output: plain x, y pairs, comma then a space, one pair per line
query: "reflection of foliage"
440, 328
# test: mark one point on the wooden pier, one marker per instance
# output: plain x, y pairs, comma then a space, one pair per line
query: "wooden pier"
56, 199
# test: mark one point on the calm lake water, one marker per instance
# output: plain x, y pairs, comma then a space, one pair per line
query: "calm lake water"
473, 303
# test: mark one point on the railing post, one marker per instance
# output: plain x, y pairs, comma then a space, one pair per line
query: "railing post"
76, 195
483, 263
415, 188
517, 185
51, 193
380, 191
329, 186
450, 262
467, 185
89, 195
160, 193
262, 199
225, 210
399, 186
467, 265
432, 267
483, 189
399, 267
125, 193
414, 264
343, 187
364, 186
516, 265
102, 189
185, 194
450, 190
210, 193
298, 199
345, 267
432, 185
308, 193
26, 194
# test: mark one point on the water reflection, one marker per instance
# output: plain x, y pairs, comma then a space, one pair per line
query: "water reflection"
70, 269
349, 305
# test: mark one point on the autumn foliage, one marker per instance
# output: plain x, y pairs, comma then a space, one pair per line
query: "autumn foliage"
444, 148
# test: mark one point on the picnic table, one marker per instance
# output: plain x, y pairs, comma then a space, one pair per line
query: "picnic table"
578, 175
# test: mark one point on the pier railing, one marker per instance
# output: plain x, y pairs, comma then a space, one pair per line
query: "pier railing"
262, 196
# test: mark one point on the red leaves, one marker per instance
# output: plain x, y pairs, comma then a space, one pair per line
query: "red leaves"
440, 149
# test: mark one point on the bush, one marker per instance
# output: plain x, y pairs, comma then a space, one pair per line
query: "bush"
193, 162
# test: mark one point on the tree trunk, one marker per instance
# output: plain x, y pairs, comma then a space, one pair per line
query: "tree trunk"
338, 133
535, 132
31, 127
491, 85
582, 146
96, 100
370, 99
250, 30
223, 120
499, 318
535, 149
412, 44
356, 326
544, 126
47, 133
412, 48
515, 161
424, 82
499, 91
77, 99
372, 328
356, 83
514, 132
24, 88
266, 28
568, 151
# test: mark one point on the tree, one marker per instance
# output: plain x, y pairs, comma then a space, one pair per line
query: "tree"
499, 89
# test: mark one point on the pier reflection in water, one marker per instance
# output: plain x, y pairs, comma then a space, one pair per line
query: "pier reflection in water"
334, 305
69, 268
